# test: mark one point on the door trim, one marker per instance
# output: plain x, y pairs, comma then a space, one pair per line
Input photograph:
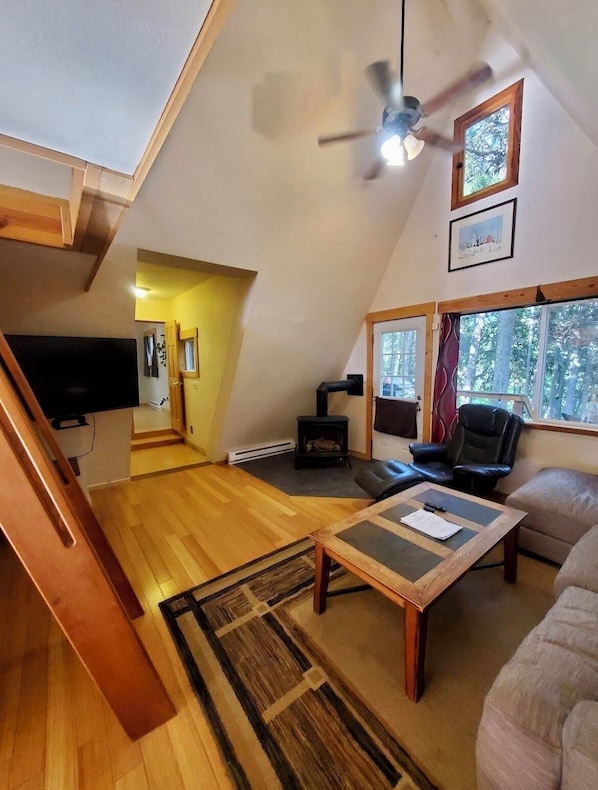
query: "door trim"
427, 310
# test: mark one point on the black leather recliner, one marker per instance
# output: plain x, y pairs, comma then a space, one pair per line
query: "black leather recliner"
481, 450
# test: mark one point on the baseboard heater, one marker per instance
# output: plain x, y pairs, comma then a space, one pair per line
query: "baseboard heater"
260, 451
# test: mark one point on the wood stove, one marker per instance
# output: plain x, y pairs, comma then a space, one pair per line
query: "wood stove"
324, 438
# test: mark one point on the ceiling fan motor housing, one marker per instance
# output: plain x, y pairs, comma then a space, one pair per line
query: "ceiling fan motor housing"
399, 120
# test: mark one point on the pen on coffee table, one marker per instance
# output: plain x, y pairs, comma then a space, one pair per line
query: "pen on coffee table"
430, 506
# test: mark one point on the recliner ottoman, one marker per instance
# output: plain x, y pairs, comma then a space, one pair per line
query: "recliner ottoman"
386, 478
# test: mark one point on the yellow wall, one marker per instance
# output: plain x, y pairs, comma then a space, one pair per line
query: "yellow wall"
155, 310
214, 308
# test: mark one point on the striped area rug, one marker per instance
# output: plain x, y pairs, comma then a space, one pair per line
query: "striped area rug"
298, 700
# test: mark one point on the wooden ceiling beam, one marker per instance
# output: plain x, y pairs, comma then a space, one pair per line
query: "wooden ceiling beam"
44, 153
31, 217
213, 24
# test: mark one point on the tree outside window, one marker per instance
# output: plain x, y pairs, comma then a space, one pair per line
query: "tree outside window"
398, 364
489, 159
540, 361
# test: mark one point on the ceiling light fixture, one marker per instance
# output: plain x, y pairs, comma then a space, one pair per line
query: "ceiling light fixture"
140, 292
392, 149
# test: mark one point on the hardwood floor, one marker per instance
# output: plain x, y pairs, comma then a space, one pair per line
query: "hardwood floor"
170, 532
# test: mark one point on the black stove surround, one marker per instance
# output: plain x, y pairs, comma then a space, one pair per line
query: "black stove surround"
324, 438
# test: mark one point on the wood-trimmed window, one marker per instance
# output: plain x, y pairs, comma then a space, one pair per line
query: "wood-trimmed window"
548, 296
188, 353
489, 159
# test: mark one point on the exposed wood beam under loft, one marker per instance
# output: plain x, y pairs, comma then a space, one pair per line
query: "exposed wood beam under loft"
89, 220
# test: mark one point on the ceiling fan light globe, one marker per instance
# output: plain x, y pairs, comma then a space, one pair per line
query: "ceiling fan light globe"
392, 150
413, 146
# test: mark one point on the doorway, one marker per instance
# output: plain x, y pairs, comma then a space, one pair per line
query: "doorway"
399, 366
153, 412
155, 446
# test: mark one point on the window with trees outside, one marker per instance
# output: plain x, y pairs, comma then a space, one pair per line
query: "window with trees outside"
398, 358
539, 361
489, 159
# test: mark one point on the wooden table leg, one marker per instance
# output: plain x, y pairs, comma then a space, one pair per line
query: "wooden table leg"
321, 582
416, 628
510, 544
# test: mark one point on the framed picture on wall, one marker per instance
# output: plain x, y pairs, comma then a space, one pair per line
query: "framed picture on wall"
150, 354
482, 237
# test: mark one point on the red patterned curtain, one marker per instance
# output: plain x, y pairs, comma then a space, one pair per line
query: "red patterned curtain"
444, 409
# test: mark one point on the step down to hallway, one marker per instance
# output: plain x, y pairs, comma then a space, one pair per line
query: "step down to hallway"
147, 439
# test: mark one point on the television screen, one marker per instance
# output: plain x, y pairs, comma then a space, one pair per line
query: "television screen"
71, 376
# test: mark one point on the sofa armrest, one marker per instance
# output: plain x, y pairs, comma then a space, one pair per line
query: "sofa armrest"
424, 452
483, 471
580, 747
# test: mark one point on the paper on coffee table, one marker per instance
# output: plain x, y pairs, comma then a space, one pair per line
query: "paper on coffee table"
431, 524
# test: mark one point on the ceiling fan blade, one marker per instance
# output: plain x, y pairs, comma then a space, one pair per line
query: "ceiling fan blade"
375, 169
343, 137
440, 141
475, 76
383, 82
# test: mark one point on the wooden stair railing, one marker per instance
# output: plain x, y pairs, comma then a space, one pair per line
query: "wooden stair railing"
42, 521
89, 522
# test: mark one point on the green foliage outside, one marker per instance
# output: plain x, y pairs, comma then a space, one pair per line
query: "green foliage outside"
500, 352
486, 147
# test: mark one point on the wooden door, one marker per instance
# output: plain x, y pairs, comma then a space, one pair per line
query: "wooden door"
399, 367
175, 382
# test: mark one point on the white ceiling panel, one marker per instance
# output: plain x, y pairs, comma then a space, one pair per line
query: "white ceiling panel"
91, 78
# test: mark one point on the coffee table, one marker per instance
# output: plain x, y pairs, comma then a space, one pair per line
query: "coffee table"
410, 568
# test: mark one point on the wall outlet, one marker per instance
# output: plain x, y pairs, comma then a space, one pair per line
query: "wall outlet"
190, 429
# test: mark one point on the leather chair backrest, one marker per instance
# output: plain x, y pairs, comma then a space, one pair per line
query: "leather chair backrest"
512, 439
480, 435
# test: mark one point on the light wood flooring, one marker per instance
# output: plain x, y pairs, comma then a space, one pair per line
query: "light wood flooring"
170, 532
150, 423
152, 460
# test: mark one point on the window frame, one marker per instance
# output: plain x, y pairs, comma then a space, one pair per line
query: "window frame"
188, 339
563, 291
513, 96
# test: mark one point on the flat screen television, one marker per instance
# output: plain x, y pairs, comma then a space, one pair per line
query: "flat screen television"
72, 376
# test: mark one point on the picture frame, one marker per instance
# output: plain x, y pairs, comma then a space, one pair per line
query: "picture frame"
487, 161
482, 237
150, 356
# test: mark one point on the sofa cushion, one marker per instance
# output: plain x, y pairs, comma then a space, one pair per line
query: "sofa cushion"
580, 569
559, 502
519, 742
580, 748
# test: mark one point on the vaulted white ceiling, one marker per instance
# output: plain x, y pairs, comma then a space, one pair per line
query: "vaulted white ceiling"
91, 80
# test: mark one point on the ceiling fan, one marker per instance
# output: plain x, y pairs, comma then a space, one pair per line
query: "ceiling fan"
399, 133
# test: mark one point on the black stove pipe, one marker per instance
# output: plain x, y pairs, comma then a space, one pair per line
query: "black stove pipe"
353, 385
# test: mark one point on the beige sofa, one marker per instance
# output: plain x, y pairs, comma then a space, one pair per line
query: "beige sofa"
561, 505
539, 727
